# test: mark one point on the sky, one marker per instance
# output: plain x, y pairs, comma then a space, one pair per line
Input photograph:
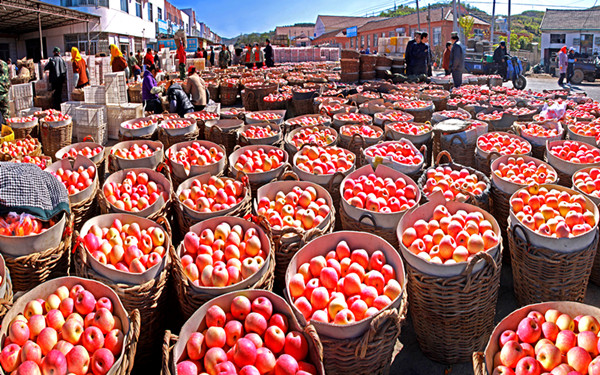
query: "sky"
229, 18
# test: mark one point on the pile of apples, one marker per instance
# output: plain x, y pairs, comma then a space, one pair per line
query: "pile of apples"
19, 147
336, 108
47, 112
258, 132
378, 194
450, 238
259, 160
87, 152
164, 117
369, 95
518, 171
552, 213
537, 130
195, 154
554, 342
277, 97
490, 116
502, 103
77, 180
308, 120
202, 115
398, 97
520, 111
215, 195
175, 124
40, 162
394, 116
324, 160
57, 117
461, 115
134, 152
20, 120
590, 129
353, 117
234, 112
576, 152
398, 151
248, 338
362, 130
345, 286
223, 256
503, 144
15, 225
412, 104
313, 135
412, 128
452, 183
588, 181
70, 331
139, 124
264, 116
229, 82
126, 247
135, 193
579, 114
298, 208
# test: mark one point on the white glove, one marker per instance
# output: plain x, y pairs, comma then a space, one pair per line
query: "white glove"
157, 90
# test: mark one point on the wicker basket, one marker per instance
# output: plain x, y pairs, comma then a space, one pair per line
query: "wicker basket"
36, 152
6, 302
148, 298
251, 96
226, 136
135, 94
31, 131
213, 90
28, 271
303, 107
483, 164
273, 106
190, 298
55, 137
349, 54
458, 311
170, 140
541, 274
228, 95
421, 114
482, 201
350, 66
87, 209
461, 152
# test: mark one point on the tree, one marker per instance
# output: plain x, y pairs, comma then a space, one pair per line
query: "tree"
467, 23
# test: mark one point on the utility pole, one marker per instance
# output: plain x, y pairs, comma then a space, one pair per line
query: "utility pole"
454, 17
508, 41
429, 23
418, 17
493, 20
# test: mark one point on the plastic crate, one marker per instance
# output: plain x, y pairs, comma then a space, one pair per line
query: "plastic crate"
89, 115
95, 94
119, 113
24, 90
97, 132
29, 111
22, 102
116, 88
68, 108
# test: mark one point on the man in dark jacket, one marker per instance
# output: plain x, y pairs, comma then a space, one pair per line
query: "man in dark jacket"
408, 54
58, 74
571, 58
211, 57
499, 58
179, 102
457, 60
269, 55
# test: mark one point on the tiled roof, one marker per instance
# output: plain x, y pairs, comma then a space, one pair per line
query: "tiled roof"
571, 20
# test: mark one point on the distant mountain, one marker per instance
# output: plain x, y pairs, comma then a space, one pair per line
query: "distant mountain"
244, 39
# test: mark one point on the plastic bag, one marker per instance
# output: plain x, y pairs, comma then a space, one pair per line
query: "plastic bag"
554, 112
19, 225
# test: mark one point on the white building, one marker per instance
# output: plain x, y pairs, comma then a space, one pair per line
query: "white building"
579, 29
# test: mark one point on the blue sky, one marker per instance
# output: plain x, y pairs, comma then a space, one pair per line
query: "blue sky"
229, 18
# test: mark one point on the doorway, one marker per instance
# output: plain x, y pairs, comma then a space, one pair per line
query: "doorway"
33, 49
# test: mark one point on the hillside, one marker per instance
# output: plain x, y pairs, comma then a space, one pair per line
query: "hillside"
244, 39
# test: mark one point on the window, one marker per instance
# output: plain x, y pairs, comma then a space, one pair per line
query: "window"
390, 34
150, 16
368, 37
159, 13
557, 38
362, 41
375, 40
437, 36
351, 43
125, 6
138, 8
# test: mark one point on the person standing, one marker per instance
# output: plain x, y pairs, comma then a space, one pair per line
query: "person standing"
269, 61
157, 61
199, 54
408, 53
570, 65
248, 57
80, 74
457, 60
563, 62
134, 67
211, 57
259, 56
179, 102
150, 90
446, 58
500, 59
149, 58
237, 56
182, 58
4, 88
224, 57
196, 88
117, 61
58, 74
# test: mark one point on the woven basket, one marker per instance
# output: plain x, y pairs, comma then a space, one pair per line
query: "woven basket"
273, 106
421, 115
228, 95
36, 152
150, 137
483, 164
55, 137
367, 223
6, 302
541, 274
213, 90
461, 152
500, 209
228, 138
482, 201
170, 140
31, 131
303, 107
251, 96
87, 209
28, 271
349, 54
458, 311
148, 298
595, 273
350, 66
356, 145
370, 353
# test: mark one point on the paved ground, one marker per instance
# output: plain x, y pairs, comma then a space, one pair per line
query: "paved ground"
548, 83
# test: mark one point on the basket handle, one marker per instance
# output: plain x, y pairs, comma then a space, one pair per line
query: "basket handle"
423, 151
133, 336
243, 177
468, 272
311, 235
455, 136
165, 223
353, 140
333, 180
89, 138
492, 154
520, 227
471, 199
289, 175
479, 363
442, 154
168, 343
314, 336
377, 324
367, 215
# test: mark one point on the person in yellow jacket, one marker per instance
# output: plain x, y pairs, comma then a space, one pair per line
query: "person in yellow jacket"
259, 56
248, 57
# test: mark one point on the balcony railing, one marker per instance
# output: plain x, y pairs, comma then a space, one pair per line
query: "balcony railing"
84, 3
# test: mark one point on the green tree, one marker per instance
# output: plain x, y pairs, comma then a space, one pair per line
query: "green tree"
467, 23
